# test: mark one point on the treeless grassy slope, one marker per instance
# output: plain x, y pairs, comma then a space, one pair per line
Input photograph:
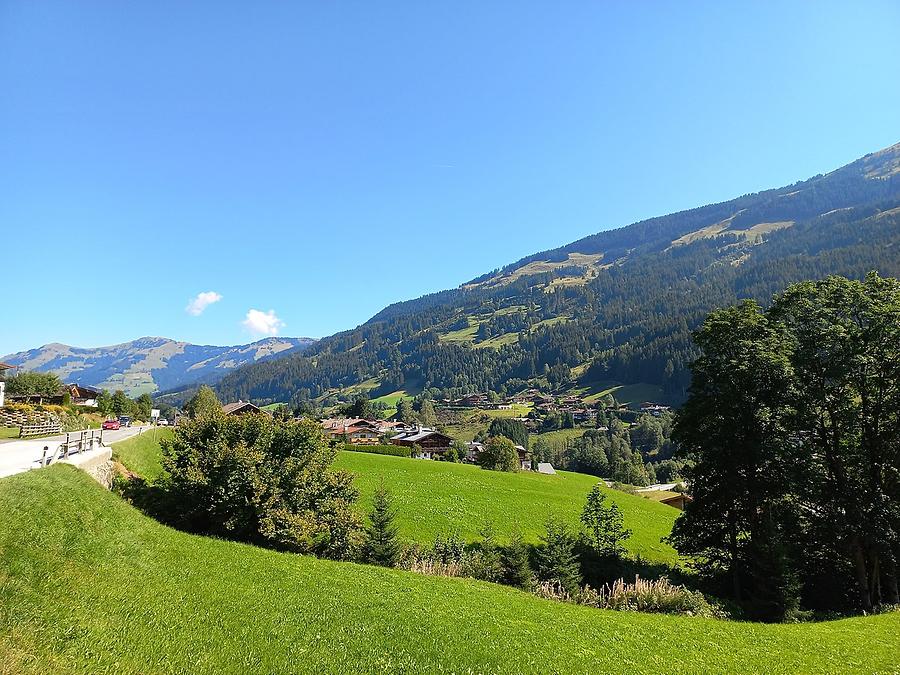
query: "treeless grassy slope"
90, 585
434, 498
142, 453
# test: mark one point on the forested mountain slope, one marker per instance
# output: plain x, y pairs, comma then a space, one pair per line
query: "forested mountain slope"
616, 306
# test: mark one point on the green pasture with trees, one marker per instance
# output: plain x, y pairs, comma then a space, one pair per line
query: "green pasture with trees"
175, 602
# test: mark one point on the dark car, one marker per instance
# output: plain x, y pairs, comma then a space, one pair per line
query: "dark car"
111, 425
125, 421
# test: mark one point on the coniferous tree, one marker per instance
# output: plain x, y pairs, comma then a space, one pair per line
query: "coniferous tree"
382, 543
516, 562
556, 559
405, 412
427, 413
603, 524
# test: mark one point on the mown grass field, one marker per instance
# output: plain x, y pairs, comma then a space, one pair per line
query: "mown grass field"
96, 587
142, 454
434, 498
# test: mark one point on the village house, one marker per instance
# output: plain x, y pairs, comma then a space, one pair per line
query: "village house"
82, 395
359, 431
677, 501
433, 444
240, 408
3, 368
361, 435
654, 409
524, 458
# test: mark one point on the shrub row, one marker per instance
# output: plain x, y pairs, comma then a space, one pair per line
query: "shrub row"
393, 450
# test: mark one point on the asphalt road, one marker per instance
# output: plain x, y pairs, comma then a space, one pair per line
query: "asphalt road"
17, 456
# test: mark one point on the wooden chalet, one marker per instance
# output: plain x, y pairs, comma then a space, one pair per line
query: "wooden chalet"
677, 501
433, 443
240, 408
82, 395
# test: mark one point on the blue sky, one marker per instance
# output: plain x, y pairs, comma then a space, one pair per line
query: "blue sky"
321, 160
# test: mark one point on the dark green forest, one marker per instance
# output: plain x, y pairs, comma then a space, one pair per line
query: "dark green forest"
627, 318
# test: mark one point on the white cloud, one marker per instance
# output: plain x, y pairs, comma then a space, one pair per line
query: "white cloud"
262, 323
202, 301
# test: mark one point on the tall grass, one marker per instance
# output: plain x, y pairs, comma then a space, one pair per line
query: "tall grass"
644, 595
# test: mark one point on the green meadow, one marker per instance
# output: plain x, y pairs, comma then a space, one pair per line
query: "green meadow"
142, 454
90, 585
434, 498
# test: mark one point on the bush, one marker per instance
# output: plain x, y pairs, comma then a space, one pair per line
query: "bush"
499, 454
394, 450
259, 480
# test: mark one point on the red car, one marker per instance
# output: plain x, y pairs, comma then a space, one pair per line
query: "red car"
111, 425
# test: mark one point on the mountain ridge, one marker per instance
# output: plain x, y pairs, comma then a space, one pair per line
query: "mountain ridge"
149, 363
615, 306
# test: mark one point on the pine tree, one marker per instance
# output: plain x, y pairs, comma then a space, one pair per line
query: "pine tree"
603, 524
516, 563
382, 547
557, 560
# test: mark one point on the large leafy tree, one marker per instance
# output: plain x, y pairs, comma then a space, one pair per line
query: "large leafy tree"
143, 406
121, 404
33, 384
793, 422
499, 454
203, 404
845, 338
735, 425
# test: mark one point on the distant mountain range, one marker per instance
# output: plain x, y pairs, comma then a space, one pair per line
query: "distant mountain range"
150, 364
612, 309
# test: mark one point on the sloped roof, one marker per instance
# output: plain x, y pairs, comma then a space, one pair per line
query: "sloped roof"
418, 435
230, 408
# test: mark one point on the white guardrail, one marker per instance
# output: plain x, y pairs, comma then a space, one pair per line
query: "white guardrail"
76, 443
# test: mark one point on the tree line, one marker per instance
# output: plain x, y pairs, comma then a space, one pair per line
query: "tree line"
792, 427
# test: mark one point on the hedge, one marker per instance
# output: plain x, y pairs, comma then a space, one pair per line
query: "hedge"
395, 450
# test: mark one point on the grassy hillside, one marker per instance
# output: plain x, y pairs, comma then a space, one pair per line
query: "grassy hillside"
142, 453
97, 587
434, 497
